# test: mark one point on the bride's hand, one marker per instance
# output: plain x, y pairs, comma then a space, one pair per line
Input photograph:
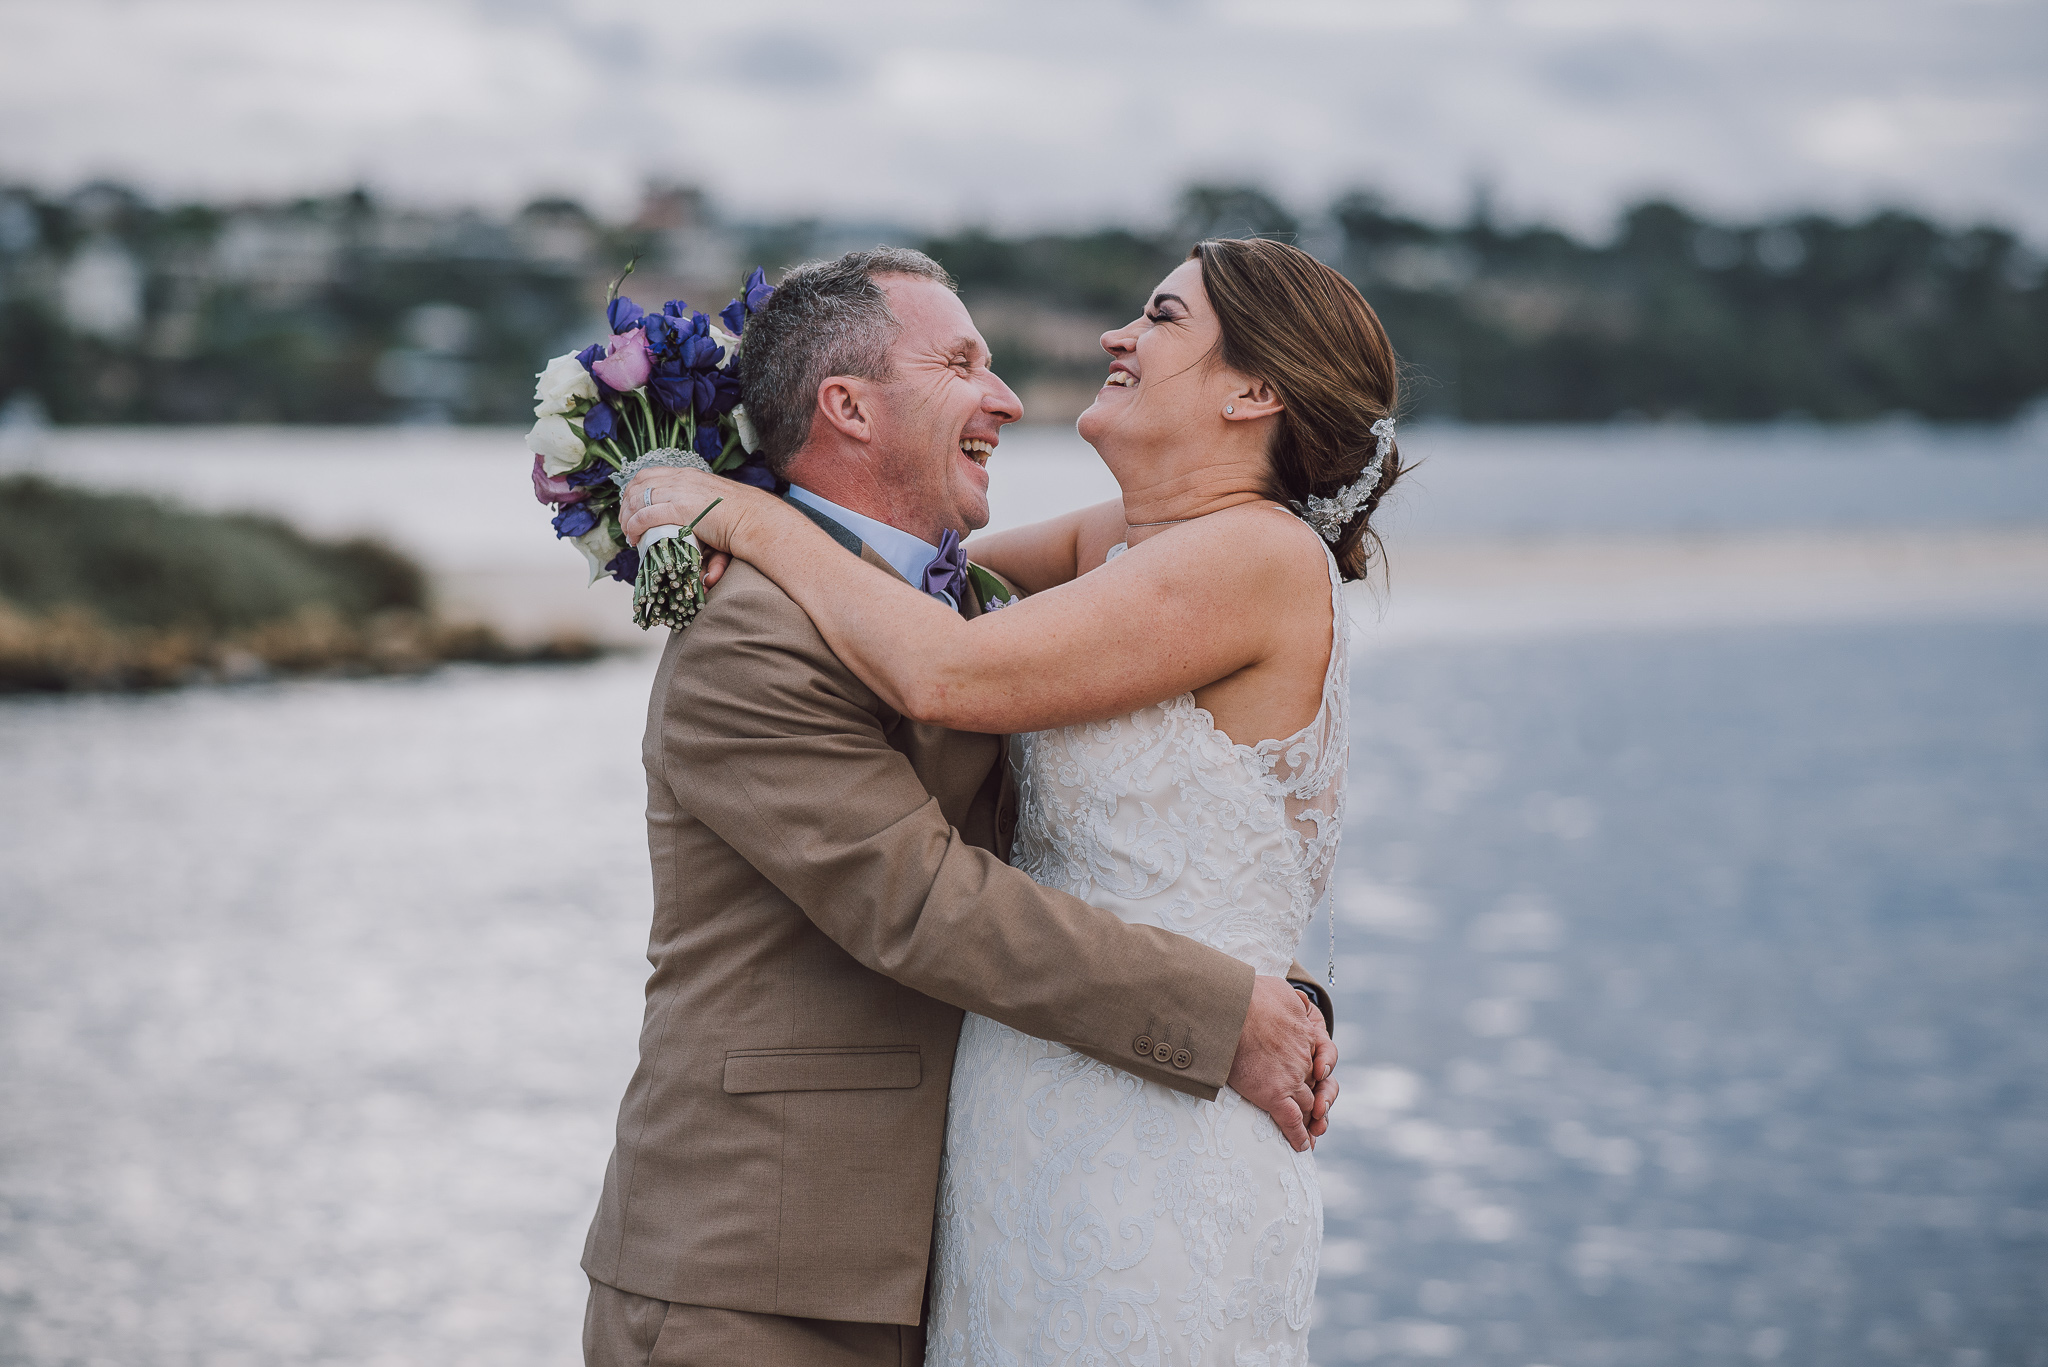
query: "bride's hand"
665, 496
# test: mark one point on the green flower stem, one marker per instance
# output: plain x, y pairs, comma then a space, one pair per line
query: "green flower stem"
653, 424
669, 590
701, 516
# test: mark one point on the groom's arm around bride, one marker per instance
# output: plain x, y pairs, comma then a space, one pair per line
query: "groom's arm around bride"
829, 896
828, 899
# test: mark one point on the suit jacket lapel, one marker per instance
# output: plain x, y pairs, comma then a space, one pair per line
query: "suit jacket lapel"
970, 605
832, 529
880, 561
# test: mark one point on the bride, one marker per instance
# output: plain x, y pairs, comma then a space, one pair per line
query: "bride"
1171, 666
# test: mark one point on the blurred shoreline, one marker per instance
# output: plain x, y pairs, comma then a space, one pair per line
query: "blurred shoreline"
1499, 530
1561, 585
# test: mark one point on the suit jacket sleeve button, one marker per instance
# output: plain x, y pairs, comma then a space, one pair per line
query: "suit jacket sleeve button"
1182, 1058
1144, 1046
1162, 1051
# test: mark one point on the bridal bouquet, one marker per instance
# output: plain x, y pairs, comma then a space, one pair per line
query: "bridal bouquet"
662, 391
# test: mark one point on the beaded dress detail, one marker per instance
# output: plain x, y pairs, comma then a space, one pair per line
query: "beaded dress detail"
1086, 1215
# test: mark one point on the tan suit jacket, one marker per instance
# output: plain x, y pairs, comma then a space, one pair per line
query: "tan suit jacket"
829, 896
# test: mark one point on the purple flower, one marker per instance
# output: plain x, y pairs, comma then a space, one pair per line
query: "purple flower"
725, 395
600, 424
623, 314
590, 356
699, 352
676, 308
591, 475
626, 363
756, 473
574, 520
556, 489
625, 566
664, 335
672, 387
688, 376
709, 444
753, 294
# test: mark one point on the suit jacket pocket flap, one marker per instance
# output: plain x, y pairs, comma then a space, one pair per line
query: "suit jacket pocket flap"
821, 1070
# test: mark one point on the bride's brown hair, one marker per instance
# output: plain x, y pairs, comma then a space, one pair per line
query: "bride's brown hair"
1291, 321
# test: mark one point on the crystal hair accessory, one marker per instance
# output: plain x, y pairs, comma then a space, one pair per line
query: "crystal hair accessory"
1329, 515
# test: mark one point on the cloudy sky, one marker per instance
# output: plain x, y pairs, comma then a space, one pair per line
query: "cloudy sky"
1045, 112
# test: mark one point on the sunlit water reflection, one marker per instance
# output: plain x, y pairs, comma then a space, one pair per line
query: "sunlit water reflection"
1691, 988
1696, 997
1690, 981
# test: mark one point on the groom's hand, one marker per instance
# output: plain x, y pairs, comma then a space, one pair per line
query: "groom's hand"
1276, 1053
1324, 1076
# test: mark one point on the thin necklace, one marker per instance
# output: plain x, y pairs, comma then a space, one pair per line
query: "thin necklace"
1168, 523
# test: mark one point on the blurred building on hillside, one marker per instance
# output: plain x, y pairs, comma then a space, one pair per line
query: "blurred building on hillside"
335, 309
344, 309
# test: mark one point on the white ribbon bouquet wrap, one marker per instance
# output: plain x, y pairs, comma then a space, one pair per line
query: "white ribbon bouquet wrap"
669, 590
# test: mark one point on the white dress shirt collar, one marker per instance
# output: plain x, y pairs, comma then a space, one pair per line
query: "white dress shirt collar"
907, 553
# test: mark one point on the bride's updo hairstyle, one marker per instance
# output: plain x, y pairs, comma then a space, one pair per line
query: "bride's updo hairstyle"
1291, 321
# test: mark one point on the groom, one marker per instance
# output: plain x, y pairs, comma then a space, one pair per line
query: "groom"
830, 895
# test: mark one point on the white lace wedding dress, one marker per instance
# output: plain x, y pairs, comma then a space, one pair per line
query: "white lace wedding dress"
1087, 1216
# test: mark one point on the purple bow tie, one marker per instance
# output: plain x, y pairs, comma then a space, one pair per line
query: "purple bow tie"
947, 574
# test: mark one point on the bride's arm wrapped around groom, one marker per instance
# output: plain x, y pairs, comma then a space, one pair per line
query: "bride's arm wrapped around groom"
830, 815
830, 895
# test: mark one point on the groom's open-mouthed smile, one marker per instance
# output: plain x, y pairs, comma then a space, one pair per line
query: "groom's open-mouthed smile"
945, 410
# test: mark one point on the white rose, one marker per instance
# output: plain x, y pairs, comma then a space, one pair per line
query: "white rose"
561, 385
559, 446
750, 440
729, 345
599, 547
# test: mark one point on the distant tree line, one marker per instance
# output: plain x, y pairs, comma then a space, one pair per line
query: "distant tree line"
1676, 316
341, 309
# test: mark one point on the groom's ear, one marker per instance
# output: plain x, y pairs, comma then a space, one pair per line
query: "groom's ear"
845, 402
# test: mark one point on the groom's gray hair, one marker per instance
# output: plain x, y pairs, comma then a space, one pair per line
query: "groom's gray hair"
826, 318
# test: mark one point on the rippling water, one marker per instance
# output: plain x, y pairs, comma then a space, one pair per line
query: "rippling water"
1691, 986
1696, 991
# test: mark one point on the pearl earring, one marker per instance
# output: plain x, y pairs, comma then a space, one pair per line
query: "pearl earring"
1230, 408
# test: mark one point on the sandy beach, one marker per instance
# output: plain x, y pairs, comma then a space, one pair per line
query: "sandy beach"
1536, 586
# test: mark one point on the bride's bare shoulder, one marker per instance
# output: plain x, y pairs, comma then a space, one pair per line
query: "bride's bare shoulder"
1274, 548
1256, 570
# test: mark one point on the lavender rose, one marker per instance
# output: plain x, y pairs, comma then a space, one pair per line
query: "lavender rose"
626, 363
555, 489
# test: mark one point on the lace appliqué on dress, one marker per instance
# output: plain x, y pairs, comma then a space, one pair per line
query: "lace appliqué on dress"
1085, 1215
